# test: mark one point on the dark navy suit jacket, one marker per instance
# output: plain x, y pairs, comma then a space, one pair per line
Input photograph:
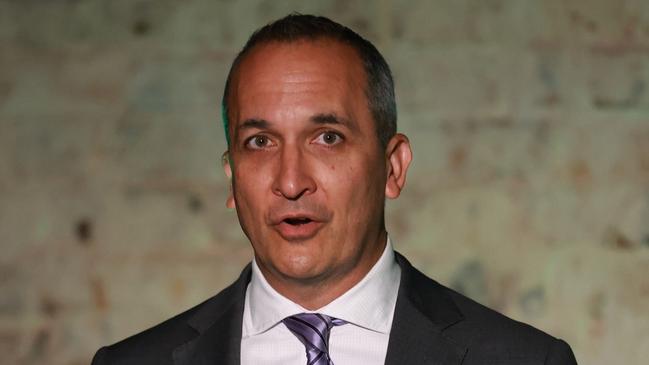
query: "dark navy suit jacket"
432, 325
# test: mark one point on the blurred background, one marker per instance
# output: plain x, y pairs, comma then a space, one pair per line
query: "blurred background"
529, 190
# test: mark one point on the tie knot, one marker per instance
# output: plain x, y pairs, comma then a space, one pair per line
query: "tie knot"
312, 329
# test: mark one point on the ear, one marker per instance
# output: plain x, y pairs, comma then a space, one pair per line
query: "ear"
398, 157
227, 168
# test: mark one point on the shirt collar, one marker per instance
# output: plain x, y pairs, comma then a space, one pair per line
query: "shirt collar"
369, 304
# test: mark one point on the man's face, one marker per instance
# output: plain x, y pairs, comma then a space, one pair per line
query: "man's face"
308, 173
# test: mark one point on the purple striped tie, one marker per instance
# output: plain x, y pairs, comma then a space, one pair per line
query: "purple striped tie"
312, 329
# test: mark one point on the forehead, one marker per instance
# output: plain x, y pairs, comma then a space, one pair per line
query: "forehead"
295, 72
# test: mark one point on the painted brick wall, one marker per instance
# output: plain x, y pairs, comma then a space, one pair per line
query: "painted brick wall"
529, 190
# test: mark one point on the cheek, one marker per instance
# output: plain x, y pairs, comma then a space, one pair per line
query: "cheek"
251, 173
352, 183
249, 188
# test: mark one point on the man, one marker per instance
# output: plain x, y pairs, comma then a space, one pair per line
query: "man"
313, 153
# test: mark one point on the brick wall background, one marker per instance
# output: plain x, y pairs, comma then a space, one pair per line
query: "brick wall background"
529, 190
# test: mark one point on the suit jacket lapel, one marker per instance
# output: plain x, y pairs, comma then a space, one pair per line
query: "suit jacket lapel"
423, 311
218, 324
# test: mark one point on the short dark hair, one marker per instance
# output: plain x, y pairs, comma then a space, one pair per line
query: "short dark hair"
294, 27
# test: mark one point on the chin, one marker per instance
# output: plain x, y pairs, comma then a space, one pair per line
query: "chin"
301, 268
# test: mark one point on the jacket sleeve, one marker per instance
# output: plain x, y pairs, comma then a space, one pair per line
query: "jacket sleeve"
560, 353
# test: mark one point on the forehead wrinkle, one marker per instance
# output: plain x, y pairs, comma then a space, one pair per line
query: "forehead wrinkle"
292, 84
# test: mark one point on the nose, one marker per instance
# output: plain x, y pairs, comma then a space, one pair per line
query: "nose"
293, 177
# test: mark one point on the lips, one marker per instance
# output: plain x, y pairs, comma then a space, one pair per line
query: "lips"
297, 226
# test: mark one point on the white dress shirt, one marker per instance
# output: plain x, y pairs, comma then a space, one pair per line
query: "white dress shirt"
368, 309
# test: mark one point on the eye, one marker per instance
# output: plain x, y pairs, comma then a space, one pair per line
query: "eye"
258, 142
329, 138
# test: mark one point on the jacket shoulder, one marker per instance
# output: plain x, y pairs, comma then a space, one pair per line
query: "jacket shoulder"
488, 336
494, 336
157, 344
152, 346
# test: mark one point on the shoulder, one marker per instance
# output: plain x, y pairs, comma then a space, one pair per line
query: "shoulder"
489, 336
156, 345
152, 346
494, 335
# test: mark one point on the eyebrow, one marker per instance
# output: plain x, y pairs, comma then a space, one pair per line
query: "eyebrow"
254, 123
322, 118
331, 118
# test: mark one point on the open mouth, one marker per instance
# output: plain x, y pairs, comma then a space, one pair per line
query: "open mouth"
297, 221
298, 228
